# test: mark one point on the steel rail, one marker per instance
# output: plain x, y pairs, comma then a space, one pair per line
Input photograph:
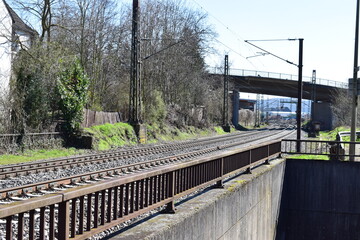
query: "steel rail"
25, 191
87, 210
41, 166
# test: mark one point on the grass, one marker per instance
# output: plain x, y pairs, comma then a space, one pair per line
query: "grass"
156, 133
33, 155
331, 135
309, 157
109, 136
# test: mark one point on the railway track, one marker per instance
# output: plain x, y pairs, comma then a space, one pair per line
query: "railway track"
23, 192
55, 164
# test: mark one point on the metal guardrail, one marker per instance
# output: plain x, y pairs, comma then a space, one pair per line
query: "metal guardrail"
12, 142
90, 209
254, 73
336, 150
340, 135
30, 134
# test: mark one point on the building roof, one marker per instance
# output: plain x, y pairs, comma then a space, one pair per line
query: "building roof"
19, 24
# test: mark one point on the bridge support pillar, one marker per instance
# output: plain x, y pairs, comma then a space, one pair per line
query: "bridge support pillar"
323, 115
235, 108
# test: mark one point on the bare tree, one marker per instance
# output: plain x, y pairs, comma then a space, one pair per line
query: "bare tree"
341, 108
246, 117
173, 48
175, 40
43, 10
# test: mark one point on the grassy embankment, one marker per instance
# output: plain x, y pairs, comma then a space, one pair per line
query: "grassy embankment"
33, 155
326, 136
109, 136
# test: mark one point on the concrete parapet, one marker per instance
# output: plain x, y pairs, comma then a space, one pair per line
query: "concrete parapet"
320, 201
247, 208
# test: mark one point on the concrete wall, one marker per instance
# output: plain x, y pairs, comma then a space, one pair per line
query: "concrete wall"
247, 208
321, 200
235, 108
5, 49
323, 114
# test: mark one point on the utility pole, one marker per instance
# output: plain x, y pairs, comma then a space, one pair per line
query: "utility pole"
225, 122
300, 90
134, 110
300, 68
313, 94
267, 111
262, 110
135, 80
354, 91
257, 111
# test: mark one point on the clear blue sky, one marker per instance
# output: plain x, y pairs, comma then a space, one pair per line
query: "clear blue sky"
327, 27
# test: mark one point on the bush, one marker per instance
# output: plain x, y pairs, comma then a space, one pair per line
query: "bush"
156, 110
72, 88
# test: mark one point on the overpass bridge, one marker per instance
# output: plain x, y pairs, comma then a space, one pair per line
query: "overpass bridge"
285, 85
279, 84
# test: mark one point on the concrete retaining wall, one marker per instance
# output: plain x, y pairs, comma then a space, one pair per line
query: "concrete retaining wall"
321, 200
247, 208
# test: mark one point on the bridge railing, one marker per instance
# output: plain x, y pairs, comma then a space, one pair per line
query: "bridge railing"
254, 73
81, 212
334, 150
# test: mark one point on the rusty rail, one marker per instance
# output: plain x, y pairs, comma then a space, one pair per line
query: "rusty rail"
68, 162
43, 166
91, 209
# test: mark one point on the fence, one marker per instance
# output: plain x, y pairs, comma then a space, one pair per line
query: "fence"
15, 142
336, 150
92, 118
90, 209
254, 73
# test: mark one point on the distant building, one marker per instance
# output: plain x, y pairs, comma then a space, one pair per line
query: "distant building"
14, 35
247, 104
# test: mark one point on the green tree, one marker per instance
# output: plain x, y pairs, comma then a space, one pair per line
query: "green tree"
34, 102
156, 113
73, 89
30, 92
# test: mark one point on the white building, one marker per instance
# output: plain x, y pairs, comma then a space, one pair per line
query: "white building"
14, 34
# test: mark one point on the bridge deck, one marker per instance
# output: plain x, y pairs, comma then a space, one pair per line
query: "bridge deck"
280, 87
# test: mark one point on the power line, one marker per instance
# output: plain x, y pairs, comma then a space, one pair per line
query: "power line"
229, 48
283, 59
218, 20
234, 51
237, 36
272, 40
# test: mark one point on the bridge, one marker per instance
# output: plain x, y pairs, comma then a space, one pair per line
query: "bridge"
279, 84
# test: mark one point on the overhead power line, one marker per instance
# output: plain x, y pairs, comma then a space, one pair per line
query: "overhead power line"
237, 36
272, 40
283, 59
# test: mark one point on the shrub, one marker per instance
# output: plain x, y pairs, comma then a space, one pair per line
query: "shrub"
72, 88
156, 111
